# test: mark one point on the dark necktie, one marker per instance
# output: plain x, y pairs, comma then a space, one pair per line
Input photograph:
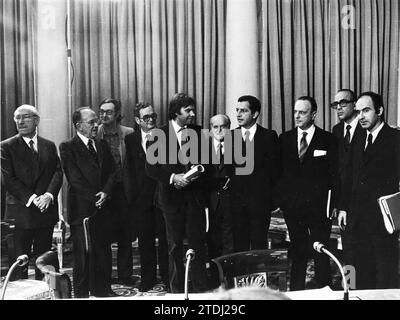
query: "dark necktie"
31, 143
184, 136
220, 154
92, 150
303, 146
369, 143
148, 140
347, 138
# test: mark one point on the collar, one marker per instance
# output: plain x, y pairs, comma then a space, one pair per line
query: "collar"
144, 134
176, 126
310, 131
84, 139
35, 140
252, 131
375, 132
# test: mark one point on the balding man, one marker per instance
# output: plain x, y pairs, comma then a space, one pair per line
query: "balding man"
89, 167
220, 233
32, 178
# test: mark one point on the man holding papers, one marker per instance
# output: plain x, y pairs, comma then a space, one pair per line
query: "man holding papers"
375, 172
181, 199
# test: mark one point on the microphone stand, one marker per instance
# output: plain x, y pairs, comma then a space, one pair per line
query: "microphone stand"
188, 259
15, 264
345, 286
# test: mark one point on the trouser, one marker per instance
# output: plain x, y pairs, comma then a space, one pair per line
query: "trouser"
40, 238
189, 220
375, 258
151, 225
122, 231
92, 270
305, 229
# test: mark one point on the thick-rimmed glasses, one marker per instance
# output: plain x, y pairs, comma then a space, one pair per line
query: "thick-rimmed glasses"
342, 103
147, 117
107, 112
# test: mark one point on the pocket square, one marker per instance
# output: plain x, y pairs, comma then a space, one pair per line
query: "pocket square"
319, 153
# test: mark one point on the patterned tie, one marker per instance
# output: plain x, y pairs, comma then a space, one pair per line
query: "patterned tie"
31, 143
303, 146
92, 150
347, 138
148, 140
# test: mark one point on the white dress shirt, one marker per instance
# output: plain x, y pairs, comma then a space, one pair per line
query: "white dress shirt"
310, 133
252, 131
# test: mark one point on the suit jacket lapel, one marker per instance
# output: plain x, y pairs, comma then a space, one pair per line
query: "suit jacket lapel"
89, 166
43, 151
100, 153
294, 145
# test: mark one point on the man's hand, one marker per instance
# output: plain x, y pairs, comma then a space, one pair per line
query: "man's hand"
179, 181
342, 219
42, 202
102, 199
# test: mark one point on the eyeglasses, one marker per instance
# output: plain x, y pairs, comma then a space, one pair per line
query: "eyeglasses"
24, 117
92, 122
107, 112
342, 103
147, 117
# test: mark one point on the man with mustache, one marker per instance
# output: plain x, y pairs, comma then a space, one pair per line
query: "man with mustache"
32, 177
89, 167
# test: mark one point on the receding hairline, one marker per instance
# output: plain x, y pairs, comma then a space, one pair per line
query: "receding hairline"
227, 121
29, 108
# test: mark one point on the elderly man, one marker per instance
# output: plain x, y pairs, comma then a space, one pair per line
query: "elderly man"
114, 134
220, 233
89, 167
32, 178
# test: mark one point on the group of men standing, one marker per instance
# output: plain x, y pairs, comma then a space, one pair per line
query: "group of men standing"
112, 182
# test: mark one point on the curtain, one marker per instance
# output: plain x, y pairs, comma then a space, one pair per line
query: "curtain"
315, 47
147, 50
17, 25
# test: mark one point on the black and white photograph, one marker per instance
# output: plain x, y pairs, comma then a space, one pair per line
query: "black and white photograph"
202, 150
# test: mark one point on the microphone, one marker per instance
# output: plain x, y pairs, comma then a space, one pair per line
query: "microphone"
21, 261
320, 248
189, 257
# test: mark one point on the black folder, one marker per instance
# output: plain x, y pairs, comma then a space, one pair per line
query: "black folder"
390, 208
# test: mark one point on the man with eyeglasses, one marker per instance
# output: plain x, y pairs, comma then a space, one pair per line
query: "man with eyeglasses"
375, 172
122, 225
148, 218
90, 170
345, 133
32, 178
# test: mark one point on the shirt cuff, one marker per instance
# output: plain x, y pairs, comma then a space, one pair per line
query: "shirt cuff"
31, 199
171, 179
51, 196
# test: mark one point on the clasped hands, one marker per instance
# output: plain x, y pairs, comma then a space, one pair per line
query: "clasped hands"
102, 197
42, 202
180, 181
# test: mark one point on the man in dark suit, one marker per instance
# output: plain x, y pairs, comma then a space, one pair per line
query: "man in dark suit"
32, 177
375, 172
89, 167
220, 233
181, 199
252, 193
122, 225
306, 159
148, 218
345, 133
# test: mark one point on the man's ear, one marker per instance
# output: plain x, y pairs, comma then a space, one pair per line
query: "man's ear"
256, 114
313, 115
380, 113
137, 120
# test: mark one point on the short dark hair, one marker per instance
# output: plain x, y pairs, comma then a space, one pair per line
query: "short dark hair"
77, 116
117, 107
353, 96
377, 100
178, 101
311, 100
139, 106
255, 104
